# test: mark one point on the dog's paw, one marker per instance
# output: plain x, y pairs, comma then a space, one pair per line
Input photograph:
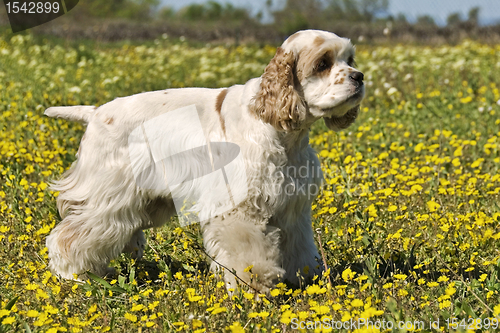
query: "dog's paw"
136, 245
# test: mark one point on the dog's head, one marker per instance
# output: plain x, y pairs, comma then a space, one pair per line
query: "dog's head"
311, 76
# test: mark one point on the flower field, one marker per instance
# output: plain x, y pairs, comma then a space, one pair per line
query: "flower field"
409, 218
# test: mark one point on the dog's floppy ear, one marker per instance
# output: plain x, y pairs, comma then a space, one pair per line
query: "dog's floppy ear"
277, 101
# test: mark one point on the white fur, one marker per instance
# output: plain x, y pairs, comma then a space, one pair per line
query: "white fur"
104, 211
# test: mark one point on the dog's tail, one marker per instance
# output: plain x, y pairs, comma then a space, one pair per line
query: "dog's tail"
81, 113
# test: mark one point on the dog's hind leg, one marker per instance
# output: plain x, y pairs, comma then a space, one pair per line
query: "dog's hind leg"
88, 242
158, 211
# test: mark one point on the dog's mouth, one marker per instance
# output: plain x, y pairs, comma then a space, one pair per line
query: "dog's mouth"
340, 123
358, 95
352, 104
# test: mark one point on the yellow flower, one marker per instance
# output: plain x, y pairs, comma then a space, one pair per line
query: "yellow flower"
348, 275
264, 314
357, 303
32, 313
466, 100
433, 206
248, 296
31, 286
236, 328
8, 320
445, 304
137, 307
450, 291
131, 317
443, 278
197, 323
219, 310
315, 289
275, 292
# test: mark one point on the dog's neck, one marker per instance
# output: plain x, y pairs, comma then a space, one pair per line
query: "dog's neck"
294, 141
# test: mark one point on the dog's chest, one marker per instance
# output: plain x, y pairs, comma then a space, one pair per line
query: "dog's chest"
301, 183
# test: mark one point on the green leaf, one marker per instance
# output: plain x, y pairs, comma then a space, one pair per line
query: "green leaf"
112, 323
121, 282
99, 280
189, 268
118, 290
11, 303
131, 276
467, 308
105, 284
26, 327
445, 314
458, 308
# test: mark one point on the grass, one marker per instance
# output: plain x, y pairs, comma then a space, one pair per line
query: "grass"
409, 219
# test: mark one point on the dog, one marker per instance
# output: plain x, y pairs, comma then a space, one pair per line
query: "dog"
112, 192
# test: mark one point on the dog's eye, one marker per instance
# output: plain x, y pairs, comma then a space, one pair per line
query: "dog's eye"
351, 62
322, 66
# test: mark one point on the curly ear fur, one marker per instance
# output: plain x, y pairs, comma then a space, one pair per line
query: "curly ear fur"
278, 102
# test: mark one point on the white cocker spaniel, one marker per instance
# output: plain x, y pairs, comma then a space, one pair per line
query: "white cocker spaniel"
235, 159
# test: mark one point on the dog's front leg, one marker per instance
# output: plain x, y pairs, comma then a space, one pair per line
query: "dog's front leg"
300, 254
246, 247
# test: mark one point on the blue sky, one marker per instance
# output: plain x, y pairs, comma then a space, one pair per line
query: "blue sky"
439, 9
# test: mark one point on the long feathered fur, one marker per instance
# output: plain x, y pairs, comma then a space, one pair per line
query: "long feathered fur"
104, 208
278, 102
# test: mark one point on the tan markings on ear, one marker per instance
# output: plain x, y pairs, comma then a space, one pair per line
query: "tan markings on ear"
277, 102
109, 121
218, 107
292, 37
318, 41
309, 58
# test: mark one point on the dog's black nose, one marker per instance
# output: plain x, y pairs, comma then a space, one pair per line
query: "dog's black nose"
357, 77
